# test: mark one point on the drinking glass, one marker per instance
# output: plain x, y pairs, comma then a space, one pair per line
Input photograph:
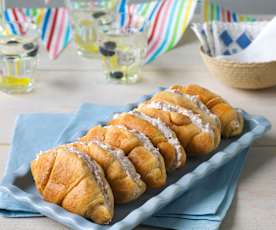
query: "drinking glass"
122, 40
18, 56
83, 14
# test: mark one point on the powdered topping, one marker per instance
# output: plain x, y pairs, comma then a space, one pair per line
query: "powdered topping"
119, 155
195, 100
95, 170
144, 140
44, 152
166, 131
195, 118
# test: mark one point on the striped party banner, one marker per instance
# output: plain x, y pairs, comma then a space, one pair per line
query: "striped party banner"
212, 11
56, 30
53, 22
169, 20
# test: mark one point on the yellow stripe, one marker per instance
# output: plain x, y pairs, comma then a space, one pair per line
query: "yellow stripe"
241, 18
40, 16
206, 5
187, 15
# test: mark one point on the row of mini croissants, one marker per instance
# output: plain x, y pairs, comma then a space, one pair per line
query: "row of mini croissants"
117, 162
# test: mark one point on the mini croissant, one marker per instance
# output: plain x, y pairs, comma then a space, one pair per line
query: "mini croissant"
231, 120
145, 157
125, 182
69, 178
159, 133
195, 136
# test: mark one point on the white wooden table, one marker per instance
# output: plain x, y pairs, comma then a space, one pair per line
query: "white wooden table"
64, 84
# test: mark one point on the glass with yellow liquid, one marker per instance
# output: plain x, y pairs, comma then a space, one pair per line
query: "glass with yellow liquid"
18, 56
122, 40
83, 15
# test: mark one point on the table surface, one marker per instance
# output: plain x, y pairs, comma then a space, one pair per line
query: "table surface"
63, 84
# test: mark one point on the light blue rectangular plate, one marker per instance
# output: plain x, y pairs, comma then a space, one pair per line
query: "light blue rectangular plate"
21, 186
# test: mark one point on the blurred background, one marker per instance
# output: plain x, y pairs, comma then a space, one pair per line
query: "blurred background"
242, 6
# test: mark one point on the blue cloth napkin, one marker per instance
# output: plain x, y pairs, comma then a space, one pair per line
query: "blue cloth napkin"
202, 207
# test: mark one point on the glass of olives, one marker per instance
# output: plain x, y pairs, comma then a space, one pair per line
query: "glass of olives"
19, 47
83, 15
122, 40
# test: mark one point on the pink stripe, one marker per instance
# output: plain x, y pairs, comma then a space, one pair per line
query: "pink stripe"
156, 41
21, 13
156, 20
61, 30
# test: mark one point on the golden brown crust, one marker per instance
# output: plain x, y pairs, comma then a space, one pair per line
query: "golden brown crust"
150, 167
116, 137
182, 125
191, 137
72, 185
175, 99
231, 120
60, 181
125, 187
154, 134
41, 169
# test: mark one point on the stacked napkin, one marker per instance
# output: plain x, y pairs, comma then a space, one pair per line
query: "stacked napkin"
224, 38
202, 207
244, 42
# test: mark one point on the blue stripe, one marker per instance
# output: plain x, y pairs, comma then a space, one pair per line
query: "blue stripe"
234, 16
45, 23
28, 12
218, 13
122, 6
154, 10
8, 19
141, 7
67, 35
168, 32
122, 21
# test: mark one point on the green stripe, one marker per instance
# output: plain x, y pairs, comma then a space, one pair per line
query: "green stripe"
145, 10
176, 26
34, 12
210, 12
213, 11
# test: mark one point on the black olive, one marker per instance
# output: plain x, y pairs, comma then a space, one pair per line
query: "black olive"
107, 53
28, 46
33, 53
98, 14
117, 75
10, 57
110, 45
11, 42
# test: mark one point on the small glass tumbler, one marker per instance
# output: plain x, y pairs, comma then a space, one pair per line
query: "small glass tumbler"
122, 40
83, 14
18, 56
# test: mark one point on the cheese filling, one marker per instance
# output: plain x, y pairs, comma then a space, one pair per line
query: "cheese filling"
119, 155
195, 118
166, 131
195, 100
144, 140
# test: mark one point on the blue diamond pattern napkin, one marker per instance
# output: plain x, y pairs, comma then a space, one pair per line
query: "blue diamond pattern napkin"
223, 38
202, 207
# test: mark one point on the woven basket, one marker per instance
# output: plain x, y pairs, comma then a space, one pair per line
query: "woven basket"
242, 75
